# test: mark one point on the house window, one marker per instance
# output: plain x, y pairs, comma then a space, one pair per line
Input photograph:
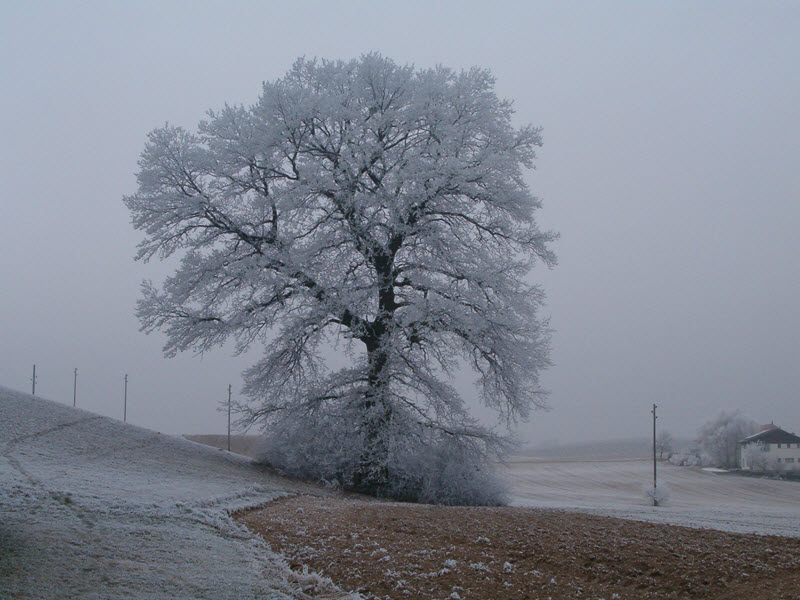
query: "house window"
779, 460
789, 460
779, 446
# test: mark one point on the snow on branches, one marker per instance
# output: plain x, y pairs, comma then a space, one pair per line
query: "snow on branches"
362, 202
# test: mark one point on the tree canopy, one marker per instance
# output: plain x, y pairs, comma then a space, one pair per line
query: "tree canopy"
368, 206
719, 438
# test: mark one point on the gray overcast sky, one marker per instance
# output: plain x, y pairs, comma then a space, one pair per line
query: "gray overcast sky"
671, 167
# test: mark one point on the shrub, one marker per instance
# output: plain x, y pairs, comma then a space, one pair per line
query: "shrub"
422, 464
657, 495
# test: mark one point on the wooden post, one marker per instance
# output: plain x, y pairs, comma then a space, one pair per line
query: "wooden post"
655, 474
33, 380
125, 402
75, 388
229, 417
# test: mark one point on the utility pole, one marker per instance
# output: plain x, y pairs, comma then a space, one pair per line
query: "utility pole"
75, 388
125, 402
33, 380
229, 417
655, 480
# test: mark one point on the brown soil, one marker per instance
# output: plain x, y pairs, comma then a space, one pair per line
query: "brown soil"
400, 551
247, 445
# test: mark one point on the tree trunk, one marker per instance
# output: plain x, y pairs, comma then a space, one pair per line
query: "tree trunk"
373, 473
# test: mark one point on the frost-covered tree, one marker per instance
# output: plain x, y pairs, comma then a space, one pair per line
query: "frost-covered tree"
758, 458
371, 207
664, 443
719, 438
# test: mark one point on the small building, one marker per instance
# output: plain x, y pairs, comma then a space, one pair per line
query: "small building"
779, 450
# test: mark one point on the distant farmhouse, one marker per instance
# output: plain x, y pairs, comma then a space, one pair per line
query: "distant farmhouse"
771, 449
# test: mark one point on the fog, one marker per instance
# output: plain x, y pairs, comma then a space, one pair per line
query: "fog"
669, 166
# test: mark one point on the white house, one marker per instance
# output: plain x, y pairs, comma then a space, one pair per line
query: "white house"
778, 450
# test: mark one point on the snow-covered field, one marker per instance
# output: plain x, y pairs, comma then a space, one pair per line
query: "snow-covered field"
92, 508
698, 498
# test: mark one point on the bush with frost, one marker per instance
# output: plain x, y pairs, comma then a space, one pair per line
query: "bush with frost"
656, 495
685, 459
423, 464
758, 458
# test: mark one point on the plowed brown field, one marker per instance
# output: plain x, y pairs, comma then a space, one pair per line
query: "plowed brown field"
399, 551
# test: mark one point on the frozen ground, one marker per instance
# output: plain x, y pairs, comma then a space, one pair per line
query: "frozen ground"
92, 508
697, 498
96, 509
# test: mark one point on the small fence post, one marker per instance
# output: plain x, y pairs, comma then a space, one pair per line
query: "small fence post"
229, 417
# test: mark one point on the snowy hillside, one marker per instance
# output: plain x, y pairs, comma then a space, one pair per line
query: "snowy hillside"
94, 508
